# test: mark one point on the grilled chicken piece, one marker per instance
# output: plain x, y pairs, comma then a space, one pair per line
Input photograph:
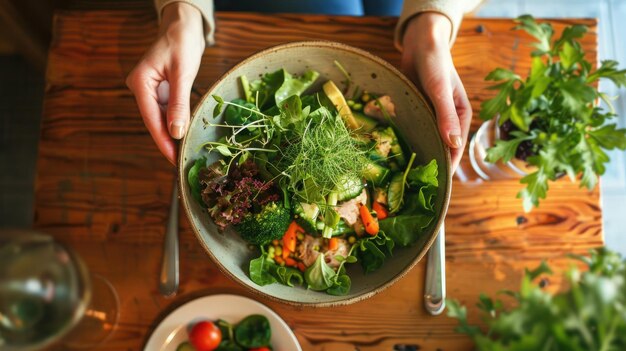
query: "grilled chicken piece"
349, 210
310, 248
373, 110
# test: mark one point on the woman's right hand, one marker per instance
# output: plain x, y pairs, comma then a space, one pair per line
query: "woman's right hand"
174, 57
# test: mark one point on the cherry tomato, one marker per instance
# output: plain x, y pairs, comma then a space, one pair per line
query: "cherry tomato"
205, 336
260, 349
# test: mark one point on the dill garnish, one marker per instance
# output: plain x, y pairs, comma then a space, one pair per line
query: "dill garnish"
316, 161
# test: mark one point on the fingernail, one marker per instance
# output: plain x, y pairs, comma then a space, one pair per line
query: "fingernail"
455, 140
177, 129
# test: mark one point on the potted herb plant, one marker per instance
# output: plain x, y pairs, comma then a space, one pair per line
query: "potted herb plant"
590, 315
550, 120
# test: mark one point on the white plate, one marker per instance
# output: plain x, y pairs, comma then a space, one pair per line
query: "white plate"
172, 331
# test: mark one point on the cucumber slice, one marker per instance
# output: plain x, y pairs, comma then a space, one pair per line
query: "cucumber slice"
305, 215
375, 173
349, 188
366, 124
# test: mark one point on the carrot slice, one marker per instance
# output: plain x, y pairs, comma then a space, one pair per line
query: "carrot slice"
286, 252
370, 223
301, 266
289, 239
291, 262
333, 243
380, 210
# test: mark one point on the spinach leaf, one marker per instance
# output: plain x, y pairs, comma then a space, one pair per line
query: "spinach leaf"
294, 86
277, 86
292, 117
264, 271
253, 331
406, 229
318, 100
370, 256
319, 276
261, 270
341, 286
287, 275
263, 90
426, 197
240, 112
193, 181
424, 175
229, 345
418, 212
373, 251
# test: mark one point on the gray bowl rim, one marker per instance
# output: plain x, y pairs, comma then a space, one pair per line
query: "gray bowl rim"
365, 295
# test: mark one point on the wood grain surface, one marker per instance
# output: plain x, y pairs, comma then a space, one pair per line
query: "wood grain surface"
103, 187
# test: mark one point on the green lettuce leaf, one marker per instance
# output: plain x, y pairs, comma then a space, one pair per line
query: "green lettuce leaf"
194, 183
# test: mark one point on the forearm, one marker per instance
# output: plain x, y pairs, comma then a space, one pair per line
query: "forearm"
453, 10
205, 8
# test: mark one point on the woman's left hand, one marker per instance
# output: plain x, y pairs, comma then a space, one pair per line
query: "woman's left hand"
427, 60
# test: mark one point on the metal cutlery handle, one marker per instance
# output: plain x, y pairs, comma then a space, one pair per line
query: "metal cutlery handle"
168, 281
435, 289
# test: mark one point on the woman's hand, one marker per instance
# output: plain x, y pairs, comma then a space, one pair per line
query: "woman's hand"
175, 58
427, 61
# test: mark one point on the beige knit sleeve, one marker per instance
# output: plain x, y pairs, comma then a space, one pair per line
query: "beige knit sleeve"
453, 9
204, 6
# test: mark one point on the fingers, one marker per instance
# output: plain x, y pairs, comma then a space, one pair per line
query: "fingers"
464, 111
438, 87
178, 105
144, 88
463, 106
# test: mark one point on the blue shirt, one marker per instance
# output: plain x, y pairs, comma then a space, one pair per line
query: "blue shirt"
328, 7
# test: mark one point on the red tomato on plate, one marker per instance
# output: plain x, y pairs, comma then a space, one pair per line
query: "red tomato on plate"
205, 336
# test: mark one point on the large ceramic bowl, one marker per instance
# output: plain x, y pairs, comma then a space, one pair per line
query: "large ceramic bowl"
415, 120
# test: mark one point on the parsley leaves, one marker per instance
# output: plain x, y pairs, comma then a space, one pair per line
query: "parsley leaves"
554, 108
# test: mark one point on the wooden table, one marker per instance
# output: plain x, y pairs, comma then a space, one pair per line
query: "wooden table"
103, 187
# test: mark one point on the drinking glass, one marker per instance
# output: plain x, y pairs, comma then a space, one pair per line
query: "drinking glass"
47, 296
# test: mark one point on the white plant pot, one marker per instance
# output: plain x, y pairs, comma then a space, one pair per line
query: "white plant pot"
484, 138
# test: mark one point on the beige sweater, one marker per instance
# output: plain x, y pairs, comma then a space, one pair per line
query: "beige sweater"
453, 9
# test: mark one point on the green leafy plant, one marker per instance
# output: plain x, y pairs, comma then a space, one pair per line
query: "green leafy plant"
589, 316
550, 119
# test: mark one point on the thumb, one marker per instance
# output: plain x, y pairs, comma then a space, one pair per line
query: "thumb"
178, 105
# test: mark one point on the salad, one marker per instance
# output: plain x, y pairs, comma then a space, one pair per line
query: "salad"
316, 180
252, 333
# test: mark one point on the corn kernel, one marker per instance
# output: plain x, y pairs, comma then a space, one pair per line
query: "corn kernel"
351, 240
278, 250
300, 236
366, 97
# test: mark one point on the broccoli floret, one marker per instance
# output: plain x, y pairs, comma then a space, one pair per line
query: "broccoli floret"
265, 226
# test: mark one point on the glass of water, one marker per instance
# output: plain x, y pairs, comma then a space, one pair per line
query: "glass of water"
47, 296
